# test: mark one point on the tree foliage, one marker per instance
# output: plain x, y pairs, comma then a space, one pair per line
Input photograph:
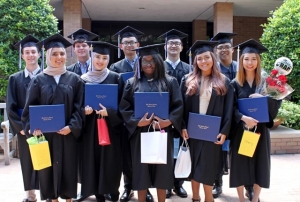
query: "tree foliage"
20, 18
281, 36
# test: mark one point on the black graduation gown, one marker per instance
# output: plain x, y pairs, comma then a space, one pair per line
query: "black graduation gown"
59, 180
229, 72
16, 97
121, 66
245, 170
181, 69
205, 155
102, 164
146, 175
75, 68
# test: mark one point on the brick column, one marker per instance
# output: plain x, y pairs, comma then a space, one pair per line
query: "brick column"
223, 17
199, 30
86, 24
72, 21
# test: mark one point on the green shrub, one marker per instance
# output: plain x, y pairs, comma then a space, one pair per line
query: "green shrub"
289, 113
19, 18
281, 36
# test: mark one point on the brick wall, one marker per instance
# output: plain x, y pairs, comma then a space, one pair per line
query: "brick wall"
199, 30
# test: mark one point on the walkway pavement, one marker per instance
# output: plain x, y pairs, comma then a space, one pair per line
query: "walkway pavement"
285, 183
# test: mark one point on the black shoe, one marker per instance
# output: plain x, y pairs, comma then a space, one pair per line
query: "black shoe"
79, 197
249, 193
168, 193
180, 192
111, 197
127, 194
100, 198
217, 190
149, 197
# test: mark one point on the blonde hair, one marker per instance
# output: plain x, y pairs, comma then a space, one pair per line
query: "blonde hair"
241, 74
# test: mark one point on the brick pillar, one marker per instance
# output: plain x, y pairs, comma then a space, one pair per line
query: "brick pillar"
223, 17
72, 21
199, 30
86, 24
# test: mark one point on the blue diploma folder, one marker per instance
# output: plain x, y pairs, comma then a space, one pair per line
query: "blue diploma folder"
47, 118
203, 127
151, 102
256, 108
106, 94
126, 76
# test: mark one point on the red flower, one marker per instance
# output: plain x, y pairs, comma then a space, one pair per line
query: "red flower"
282, 79
272, 83
274, 72
282, 89
269, 79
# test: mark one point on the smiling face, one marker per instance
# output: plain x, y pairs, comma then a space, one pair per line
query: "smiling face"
205, 62
250, 62
100, 61
58, 57
30, 55
148, 66
224, 52
82, 51
174, 47
128, 44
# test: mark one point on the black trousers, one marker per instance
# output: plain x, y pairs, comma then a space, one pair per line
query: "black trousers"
126, 159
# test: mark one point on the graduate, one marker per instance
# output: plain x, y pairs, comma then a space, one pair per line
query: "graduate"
128, 39
246, 170
151, 77
56, 85
206, 91
16, 91
102, 164
176, 68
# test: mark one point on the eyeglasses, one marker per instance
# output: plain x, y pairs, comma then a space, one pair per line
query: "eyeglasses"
223, 47
145, 63
129, 43
177, 44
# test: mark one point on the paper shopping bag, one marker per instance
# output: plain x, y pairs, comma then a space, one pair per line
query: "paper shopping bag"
248, 143
40, 155
103, 134
154, 147
183, 164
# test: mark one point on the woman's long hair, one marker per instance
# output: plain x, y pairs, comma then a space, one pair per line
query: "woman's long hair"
216, 78
159, 74
241, 74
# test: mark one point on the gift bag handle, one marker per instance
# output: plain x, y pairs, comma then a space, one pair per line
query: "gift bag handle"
185, 142
153, 123
101, 117
255, 127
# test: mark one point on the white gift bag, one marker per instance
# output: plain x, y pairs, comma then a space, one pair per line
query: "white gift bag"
154, 146
183, 164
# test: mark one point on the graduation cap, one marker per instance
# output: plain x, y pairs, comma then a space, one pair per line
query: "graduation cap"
54, 41
146, 50
28, 41
172, 34
201, 46
223, 37
126, 32
82, 35
100, 47
250, 46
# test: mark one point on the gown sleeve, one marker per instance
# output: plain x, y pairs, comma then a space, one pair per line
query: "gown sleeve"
32, 98
12, 106
76, 121
127, 109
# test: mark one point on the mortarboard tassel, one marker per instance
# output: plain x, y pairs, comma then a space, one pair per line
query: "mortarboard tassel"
72, 46
138, 68
119, 41
166, 50
43, 50
20, 58
190, 60
238, 57
91, 55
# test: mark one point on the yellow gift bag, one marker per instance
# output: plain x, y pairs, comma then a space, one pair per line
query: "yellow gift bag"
248, 143
39, 152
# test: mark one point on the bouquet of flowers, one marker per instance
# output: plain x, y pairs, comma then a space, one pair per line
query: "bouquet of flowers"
275, 84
